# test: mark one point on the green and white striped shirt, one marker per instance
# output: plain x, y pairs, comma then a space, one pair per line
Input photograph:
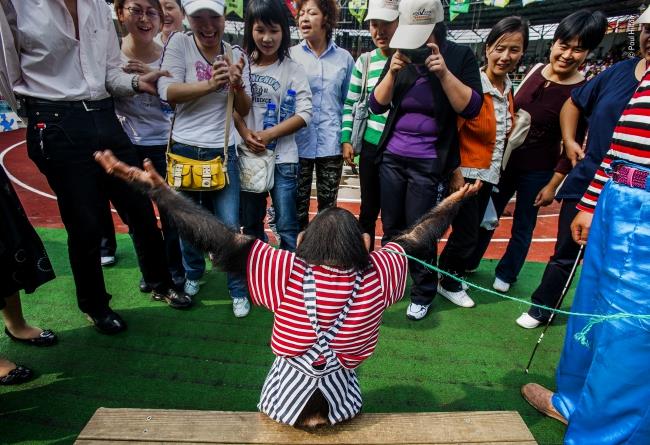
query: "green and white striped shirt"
376, 122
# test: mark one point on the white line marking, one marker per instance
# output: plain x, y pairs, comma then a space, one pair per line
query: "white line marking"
17, 181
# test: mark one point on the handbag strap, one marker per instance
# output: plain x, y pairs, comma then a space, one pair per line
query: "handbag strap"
229, 107
162, 57
364, 76
530, 73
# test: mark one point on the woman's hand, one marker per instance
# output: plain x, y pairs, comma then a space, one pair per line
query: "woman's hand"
136, 67
435, 63
456, 182
545, 196
574, 152
466, 191
398, 62
148, 177
266, 136
220, 75
348, 154
235, 72
254, 142
580, 227
148, 83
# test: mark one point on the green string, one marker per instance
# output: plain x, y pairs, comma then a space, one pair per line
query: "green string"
581, 336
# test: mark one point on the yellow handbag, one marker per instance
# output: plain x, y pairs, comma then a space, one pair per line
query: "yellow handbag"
192, 175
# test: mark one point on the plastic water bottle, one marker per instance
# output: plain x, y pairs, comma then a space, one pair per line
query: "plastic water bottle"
288, 106
270, 120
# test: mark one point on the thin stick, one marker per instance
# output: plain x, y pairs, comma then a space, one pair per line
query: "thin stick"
559, 303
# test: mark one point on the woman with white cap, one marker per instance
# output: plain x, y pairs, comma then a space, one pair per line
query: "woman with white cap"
382, 17
425, 86
202, 77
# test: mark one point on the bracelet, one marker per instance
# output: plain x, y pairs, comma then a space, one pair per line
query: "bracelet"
238, 87
135, 83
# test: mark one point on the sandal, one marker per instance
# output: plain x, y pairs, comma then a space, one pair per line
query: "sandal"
16, 376
46, 338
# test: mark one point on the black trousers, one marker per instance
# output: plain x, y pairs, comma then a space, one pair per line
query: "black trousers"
559, 266
63, 148
464, 236
370, 186
410, 188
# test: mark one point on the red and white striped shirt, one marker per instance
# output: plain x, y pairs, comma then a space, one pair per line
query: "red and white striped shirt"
275, 281
630, 142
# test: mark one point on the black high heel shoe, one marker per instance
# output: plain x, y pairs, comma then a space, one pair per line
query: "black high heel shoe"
47, 338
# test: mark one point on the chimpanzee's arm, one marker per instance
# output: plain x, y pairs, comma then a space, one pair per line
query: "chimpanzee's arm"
417, 240
202, 229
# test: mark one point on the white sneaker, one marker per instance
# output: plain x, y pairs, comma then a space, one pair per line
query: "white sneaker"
459, 298
500, 285
192, 287
240, 307
527, 322
107, 260
417, 311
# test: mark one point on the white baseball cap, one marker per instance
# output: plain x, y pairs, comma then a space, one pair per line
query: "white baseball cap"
191, 6
417, 18
386, 10
645, 17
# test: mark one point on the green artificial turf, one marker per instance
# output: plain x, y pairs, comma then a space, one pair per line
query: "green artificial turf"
204, 358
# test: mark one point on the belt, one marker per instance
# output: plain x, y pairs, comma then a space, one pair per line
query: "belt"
86, 105
631, 176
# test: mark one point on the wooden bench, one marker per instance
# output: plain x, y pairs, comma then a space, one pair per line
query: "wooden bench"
146, 426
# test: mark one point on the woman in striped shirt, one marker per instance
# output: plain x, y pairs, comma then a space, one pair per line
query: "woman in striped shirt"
328, 297
603, 390
382, 15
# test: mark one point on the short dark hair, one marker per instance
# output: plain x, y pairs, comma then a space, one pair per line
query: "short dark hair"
334, 238
269, 12
588, 27
509, 25
329, 8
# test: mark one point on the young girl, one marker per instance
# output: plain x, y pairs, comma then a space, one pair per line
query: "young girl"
143, 116
273, 73
329, 68
202, 77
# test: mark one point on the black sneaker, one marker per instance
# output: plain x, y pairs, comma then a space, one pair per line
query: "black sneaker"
174, 299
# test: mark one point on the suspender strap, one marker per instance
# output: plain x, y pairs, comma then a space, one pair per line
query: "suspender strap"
321, 347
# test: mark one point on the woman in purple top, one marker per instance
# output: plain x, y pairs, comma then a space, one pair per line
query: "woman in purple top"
425, 86
536, 168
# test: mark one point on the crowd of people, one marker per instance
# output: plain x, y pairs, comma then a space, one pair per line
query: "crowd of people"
439, 141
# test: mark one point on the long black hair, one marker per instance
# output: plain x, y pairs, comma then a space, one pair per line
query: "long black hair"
269, 12
334, 238
509, 25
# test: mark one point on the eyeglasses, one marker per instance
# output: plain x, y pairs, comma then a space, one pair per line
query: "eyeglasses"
139, 13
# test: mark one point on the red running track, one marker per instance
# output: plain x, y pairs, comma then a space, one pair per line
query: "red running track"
40, 205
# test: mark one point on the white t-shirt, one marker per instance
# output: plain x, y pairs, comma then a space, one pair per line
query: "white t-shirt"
200, 122
145, 118
266, 85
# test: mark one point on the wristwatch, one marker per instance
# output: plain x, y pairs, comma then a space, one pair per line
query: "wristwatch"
135, 83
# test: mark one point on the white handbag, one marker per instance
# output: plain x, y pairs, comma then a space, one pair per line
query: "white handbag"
256, 170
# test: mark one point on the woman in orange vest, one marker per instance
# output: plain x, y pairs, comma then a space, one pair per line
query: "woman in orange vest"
482, 143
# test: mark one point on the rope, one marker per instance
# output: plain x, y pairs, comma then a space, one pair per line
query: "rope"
581, 336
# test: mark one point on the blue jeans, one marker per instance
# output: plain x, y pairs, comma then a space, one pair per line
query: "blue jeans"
283, 194
225, 205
